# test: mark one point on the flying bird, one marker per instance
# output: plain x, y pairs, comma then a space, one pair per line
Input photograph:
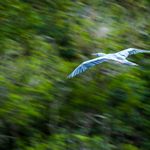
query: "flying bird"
119, 57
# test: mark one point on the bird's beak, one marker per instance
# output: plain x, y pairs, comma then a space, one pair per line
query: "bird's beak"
94, 54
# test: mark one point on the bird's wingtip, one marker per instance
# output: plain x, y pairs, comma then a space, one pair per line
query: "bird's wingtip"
69, 76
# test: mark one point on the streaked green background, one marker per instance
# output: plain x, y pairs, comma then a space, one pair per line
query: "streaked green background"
105, 108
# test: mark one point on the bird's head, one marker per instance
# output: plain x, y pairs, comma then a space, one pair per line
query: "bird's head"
99, 54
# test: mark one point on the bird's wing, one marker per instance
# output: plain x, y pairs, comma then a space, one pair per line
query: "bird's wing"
87, 64
131, 51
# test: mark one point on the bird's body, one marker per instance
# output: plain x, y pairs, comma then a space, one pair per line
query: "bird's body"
119, 57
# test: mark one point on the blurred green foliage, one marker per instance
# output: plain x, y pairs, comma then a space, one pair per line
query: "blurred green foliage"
105, 108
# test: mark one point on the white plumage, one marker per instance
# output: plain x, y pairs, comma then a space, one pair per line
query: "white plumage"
118, 57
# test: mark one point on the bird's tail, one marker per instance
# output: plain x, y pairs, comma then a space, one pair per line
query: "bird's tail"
130, 63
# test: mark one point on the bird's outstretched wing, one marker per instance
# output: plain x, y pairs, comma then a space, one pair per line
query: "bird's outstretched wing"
87, 64
131, 51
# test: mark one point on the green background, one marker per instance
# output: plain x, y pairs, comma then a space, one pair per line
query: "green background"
105, 108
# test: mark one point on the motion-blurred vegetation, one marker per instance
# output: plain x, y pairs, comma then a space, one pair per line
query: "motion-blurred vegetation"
105, 108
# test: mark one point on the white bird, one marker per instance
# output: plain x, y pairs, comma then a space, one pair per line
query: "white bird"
119, 57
